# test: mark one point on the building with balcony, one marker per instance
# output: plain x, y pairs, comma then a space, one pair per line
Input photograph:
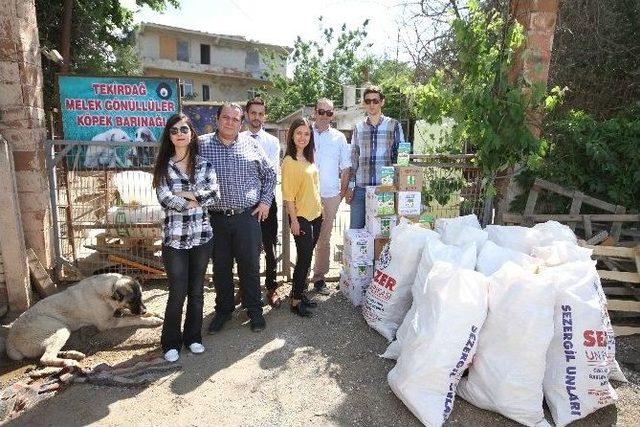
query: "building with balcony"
210, 67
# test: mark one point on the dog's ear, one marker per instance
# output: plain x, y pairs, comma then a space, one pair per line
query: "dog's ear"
118, 294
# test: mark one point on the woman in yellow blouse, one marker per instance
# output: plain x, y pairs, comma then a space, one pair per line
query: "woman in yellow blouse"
301, 196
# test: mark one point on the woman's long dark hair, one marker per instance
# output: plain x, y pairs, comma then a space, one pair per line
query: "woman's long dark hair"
291, 146
167, 150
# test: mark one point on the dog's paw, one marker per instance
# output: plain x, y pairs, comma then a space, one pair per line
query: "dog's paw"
155, 321
68, 363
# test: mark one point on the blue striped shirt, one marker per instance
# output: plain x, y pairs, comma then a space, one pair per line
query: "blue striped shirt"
245, 174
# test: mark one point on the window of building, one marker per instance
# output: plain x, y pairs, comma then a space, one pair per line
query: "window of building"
205, 93
252, 61
205, 54
168, 48
182, 48
186, 88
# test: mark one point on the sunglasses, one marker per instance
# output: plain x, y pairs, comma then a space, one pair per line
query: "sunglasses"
375, 101
183, 129
327, 113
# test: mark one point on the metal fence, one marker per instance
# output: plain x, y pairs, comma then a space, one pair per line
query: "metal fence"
106, 217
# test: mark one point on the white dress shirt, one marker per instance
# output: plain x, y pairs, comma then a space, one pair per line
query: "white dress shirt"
332, 156
269, 143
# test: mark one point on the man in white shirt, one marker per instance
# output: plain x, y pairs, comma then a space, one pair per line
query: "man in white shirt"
256, 117
333, 159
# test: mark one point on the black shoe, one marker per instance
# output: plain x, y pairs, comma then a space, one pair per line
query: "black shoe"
217, 323
301, 309
321, 288
257, 323
305, 299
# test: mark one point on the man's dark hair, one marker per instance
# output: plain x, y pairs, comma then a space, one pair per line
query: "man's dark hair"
373, 89
232, 105
255, 101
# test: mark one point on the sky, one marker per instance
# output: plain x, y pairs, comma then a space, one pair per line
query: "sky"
281, 21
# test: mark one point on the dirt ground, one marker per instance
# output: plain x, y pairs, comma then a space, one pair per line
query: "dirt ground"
324, 370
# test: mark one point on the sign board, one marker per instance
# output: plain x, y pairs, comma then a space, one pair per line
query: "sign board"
109, 110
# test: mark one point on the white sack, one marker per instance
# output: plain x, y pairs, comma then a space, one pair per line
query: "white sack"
561, 253
509, 365
524, 239
434, 250
450, 312
582, 351
470, 220
560, 232
492, 257
134, 187
463, 235
388, 298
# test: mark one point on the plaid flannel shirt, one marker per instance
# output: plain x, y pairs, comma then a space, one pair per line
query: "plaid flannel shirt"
373, 147
185, 227
247, 177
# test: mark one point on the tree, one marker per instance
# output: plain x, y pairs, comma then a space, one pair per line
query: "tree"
320, 68
101, 39
491, 112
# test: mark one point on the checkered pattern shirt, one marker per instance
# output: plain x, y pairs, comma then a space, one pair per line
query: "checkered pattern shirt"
184, 227
373, 147
246, 175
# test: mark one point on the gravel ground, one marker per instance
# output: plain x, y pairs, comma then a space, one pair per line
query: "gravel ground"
324, 370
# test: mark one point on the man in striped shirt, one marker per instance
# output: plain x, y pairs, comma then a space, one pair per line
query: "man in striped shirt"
247, 180
374, 144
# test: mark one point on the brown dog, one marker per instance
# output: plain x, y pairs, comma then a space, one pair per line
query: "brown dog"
100, 300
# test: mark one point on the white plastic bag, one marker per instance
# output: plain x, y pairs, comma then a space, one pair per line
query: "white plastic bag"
524, 239
134, 187
388, 298
581, 354
434, 250
560, 232
463, 235
470, 220
449, 314
561, 253
508, 369
492, 257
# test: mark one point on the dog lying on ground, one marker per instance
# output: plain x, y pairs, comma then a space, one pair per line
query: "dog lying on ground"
98, 301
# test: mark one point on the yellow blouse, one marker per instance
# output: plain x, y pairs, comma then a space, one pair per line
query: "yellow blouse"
301, 185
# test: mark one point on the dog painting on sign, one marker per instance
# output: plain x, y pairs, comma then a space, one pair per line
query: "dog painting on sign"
142, 156
100, 155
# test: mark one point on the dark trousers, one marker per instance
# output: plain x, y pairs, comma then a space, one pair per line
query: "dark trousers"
185, 270
305, 243
269, 241
237, 238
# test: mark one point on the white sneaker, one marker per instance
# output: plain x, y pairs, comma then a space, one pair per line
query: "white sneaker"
196, 348
171, 355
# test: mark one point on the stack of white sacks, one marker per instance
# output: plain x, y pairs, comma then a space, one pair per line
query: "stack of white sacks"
357, 269
524, 304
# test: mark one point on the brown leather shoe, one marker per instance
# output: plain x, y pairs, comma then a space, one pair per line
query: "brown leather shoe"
273, 298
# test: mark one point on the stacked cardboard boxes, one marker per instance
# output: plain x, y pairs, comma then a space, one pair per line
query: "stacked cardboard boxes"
357, 260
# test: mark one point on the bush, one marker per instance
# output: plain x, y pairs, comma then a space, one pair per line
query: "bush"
599, 158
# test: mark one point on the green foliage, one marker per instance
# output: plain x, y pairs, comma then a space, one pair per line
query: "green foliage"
491, 113
320, 68
601, 158
102, 38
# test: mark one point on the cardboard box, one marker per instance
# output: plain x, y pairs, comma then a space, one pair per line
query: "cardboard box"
404, 149
358, 245
380, 226
358, 270
409, 178
409, 202
387, 175
379, 203
379, 244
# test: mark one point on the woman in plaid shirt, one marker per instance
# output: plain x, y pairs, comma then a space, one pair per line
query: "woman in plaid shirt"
185, 184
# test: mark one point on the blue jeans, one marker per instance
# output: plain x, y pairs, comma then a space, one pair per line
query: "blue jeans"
358, 208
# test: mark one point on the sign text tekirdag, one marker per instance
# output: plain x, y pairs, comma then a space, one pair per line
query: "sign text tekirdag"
109, 110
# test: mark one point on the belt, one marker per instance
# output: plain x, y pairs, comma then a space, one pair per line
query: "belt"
229, 212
